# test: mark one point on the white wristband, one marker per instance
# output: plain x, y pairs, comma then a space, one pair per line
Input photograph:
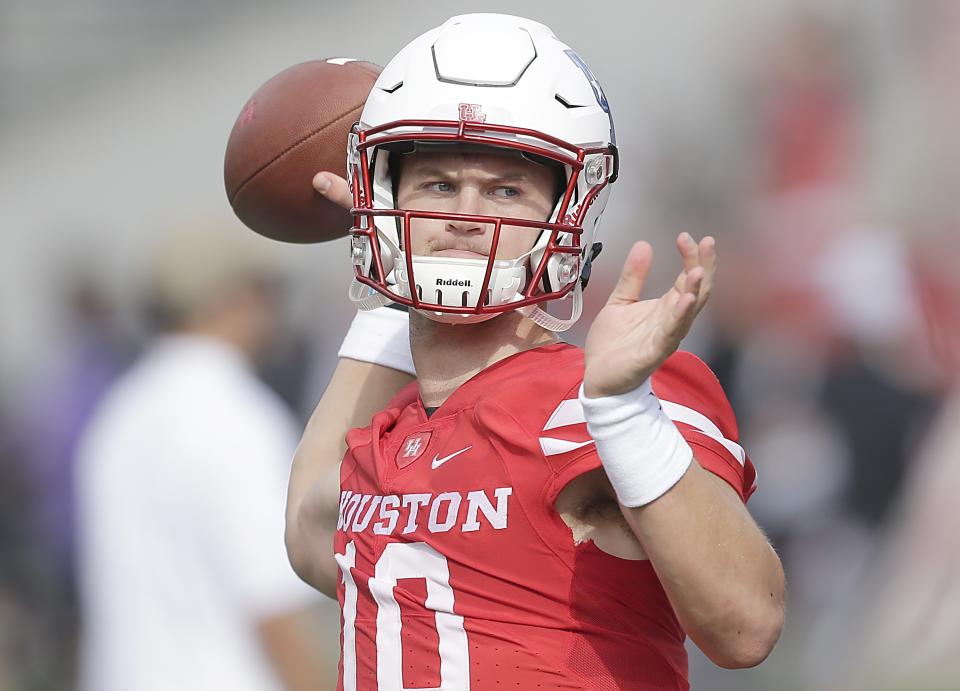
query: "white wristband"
641, 449
380, 336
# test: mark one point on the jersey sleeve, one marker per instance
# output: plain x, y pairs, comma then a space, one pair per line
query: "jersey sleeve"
691, 396
566, 444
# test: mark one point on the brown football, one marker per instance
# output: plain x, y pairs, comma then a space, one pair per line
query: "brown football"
294, 126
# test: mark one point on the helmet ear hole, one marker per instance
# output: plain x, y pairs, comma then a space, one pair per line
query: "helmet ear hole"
592, 254
546, 281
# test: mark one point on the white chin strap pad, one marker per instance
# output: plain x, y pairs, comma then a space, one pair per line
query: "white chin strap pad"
456, 281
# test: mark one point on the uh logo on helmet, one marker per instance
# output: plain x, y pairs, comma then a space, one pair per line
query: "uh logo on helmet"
533, 96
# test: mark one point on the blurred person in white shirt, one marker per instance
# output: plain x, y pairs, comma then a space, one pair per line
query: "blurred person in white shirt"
184, 580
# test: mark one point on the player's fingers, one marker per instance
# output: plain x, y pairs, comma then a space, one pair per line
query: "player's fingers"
683, 312
686, 305
682, 279
334, 188
634, 274
708, 259
694, 282
689, 251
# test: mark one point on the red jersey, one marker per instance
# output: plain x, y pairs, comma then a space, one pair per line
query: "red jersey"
457, 571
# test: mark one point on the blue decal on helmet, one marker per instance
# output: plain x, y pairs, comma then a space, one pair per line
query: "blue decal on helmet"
597, 89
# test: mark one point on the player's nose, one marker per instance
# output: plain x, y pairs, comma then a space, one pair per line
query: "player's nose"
469, 202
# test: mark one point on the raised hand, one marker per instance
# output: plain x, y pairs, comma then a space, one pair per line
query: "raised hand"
631, 337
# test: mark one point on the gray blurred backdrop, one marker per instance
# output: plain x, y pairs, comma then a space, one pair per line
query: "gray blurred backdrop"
817, 139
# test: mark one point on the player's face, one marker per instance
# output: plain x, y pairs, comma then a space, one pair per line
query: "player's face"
480, 184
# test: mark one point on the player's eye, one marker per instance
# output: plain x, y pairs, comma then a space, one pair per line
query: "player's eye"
438, 186
506, 192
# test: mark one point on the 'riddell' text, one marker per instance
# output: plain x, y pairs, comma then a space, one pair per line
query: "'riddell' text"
439, 513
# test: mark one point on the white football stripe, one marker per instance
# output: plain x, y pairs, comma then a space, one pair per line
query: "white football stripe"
567, 413
570, 412
341, 61
681, 413
554, 447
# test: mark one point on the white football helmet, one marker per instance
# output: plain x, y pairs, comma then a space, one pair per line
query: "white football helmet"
482, 80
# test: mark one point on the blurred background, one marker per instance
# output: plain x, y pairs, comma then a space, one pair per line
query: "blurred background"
818, 140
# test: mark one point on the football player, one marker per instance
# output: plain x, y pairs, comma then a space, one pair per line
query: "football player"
524, 514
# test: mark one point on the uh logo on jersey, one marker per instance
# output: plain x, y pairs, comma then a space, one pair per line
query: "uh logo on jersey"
412, 448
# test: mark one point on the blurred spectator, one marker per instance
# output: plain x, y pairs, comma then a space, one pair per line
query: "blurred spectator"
819, 316
52, 414
902, 630
89, 355
819, 325
15, 571
184, 580
38, 478
807, 119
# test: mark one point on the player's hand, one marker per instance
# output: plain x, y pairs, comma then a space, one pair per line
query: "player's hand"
334, 188
631, 337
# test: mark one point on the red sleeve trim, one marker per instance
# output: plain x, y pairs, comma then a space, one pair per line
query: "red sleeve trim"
712, 456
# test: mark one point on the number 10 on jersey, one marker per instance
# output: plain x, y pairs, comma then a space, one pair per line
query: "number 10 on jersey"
404, 560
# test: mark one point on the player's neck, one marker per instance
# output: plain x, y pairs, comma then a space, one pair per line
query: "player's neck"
447, 355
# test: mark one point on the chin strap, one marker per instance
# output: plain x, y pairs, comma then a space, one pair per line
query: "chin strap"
365, 297
550, 322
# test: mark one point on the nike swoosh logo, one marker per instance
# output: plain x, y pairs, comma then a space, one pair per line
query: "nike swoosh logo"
437, 461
